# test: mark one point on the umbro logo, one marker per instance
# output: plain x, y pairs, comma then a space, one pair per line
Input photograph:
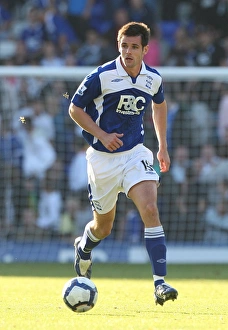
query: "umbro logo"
116, 80
161, 261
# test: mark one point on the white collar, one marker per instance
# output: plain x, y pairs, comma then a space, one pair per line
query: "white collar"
122, 72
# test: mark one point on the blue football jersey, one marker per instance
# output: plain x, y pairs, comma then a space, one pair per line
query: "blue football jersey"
117, 102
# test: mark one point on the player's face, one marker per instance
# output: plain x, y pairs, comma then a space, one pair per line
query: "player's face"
132, 53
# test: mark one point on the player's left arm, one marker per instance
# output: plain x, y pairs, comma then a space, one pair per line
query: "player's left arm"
159, 113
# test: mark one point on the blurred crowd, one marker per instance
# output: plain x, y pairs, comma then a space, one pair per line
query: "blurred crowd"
83, 32
43, 183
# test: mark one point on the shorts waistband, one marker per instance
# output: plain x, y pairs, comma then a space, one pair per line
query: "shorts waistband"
91, 150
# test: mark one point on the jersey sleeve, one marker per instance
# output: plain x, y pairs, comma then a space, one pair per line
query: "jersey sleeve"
89, 89
159, 96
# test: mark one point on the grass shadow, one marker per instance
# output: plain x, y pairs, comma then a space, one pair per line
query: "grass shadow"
124, 271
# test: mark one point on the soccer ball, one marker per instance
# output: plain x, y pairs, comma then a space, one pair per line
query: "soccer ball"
80, 294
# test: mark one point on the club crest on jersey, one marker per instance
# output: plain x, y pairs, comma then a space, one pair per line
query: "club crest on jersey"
149, 82
130, 105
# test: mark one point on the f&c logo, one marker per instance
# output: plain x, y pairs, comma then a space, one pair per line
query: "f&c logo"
130, 105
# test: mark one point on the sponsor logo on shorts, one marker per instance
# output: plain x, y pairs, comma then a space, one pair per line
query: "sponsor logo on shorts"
97, 205
148, 167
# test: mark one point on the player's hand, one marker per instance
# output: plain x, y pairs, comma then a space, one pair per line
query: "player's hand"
112, 141
164, 160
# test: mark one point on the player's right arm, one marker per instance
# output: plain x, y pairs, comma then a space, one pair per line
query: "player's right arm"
111, 141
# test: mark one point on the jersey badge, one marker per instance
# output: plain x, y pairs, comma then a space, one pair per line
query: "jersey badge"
149, 82
81, 90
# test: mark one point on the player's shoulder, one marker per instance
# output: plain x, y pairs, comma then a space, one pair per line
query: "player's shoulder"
102, 69
108, 66
152, 70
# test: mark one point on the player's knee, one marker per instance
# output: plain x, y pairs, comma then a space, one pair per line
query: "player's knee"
151, 210
103, 231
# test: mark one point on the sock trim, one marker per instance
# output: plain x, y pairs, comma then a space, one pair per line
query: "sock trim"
154, 232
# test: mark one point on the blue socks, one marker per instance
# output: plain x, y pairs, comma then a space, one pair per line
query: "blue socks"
87, 243
155, 245
156, 248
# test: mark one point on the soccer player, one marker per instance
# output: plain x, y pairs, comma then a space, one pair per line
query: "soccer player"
109, 106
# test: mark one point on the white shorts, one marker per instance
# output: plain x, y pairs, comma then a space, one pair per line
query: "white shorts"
109, 174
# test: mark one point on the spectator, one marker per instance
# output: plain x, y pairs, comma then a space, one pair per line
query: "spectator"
90, 52
120, 17
212, 13
42, 120
223, 116
79, 16
139, 11
29, 204
50, 204
107, 49
77, 174
39, 154
168, 206
181, 52
68, 219
21, 55
179, 172
213, 169
225, 46
101, 16
184, 12
173, 109
221, 17
43, 4
11, 157
5, 22
201, 134
154, 55
25, 110
208, 51
30, 88
63, 128
50, 57
70, 59
76, 213
223, 145
178, 117
196, 202
9, 92
204, 11
34, 33
84, 211
3, 217
209, 162
216, 216
180, 166
133, 227
169, 9
59, 31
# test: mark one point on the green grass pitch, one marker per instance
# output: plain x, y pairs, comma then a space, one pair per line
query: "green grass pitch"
30, 298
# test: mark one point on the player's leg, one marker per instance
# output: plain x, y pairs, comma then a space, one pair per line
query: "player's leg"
144, 196
96, 230
103, 193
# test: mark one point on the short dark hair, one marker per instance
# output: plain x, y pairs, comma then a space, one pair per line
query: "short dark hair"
134, 29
